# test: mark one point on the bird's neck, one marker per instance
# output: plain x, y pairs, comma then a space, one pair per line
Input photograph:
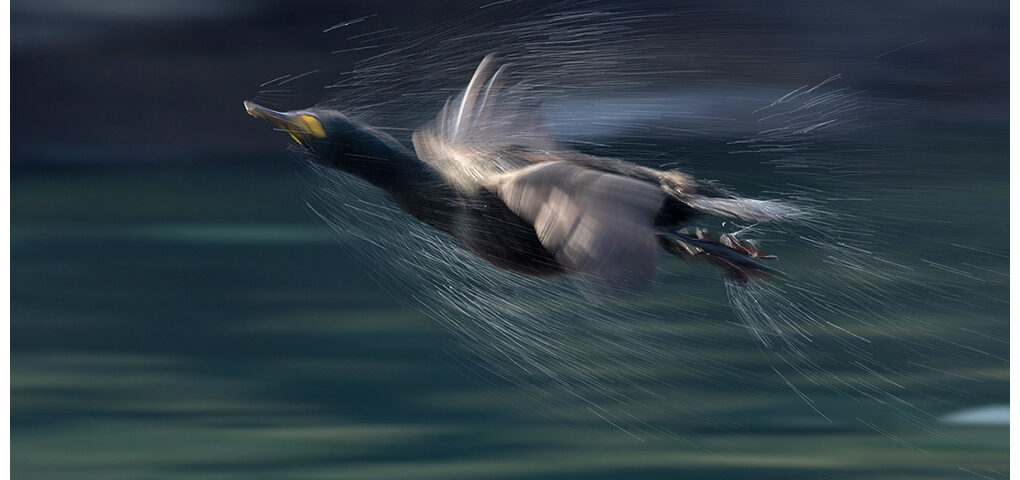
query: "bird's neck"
412, 184
374, 156
391, 169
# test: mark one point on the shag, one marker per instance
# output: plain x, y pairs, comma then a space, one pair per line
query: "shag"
485, 173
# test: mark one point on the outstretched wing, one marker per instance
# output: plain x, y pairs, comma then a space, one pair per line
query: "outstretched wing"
483, 131
490, 114
489, 130
598, 225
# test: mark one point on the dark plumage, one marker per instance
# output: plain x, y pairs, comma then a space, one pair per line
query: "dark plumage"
485, 173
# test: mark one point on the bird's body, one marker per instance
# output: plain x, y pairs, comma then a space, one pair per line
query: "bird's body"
486, 173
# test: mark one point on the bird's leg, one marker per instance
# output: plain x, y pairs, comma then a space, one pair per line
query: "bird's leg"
738, 258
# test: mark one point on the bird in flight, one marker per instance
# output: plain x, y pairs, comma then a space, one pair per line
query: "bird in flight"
486, 173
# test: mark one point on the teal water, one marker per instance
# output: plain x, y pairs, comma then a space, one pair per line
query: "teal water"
197, 322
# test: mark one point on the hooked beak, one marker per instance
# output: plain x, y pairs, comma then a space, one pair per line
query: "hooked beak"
299, 126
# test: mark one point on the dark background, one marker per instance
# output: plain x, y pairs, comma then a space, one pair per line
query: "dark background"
177, 311
161, 80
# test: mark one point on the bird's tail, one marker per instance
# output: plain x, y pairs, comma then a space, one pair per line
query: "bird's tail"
739, 260
747, 209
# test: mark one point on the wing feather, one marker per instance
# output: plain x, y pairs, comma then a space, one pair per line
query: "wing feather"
597, 224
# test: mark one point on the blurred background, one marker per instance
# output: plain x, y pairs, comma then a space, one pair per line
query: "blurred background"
177, 311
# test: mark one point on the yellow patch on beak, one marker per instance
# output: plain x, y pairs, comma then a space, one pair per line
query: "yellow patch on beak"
305, 125
298, 126
313, 126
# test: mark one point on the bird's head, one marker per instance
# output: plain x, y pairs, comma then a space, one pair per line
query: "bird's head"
323, 132
334, 140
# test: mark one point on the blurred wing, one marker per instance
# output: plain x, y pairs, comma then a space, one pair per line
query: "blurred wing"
490, 130
597, 224
482, 131
488, 114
